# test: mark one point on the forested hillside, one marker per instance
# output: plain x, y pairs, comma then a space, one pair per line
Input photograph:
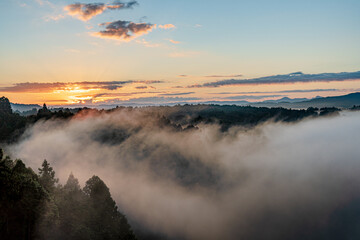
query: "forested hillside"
35, 206
12, 125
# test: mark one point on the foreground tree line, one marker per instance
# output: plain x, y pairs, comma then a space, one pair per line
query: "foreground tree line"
35, 206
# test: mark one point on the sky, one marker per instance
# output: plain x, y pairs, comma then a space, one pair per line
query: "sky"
163, 51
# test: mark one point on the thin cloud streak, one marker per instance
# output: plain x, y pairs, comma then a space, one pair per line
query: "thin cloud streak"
288, 91
118, 99
183, 54
223, 76
124, 94
159, 100
252, 97
174, 41
166, 26
297, 77
67, 86
148, 44
176, 94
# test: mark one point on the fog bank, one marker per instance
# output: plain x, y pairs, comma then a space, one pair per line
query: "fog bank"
276, 181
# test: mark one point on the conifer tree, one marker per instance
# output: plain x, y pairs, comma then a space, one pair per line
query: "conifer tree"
47, 176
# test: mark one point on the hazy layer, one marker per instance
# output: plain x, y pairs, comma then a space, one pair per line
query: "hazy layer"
274, 182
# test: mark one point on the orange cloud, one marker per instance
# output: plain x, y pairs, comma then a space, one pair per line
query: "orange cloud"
85, 12
166, 26
173, 41
79, 87
148, 44
124, 30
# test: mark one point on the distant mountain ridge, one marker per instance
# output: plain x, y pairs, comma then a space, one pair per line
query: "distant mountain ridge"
343, 101
23, 107
286, 99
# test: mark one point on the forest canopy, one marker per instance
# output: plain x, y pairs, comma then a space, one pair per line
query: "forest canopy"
35, 206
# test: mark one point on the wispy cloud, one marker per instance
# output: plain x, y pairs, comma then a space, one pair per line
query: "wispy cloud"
70, 86
308, 90
130, 99
288, 91
148, 81
211, 76
173, 41
148, 44
123, 30
283, 79
44, 2
116, 95
251, 97
57, 101
53, 17
183, 54
166, 26
224, 76
141, 87
176, 94
159, 100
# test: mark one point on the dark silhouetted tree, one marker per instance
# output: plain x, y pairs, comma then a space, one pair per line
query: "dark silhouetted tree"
11, 124
47, 176
73, 212
21, 199
105, 219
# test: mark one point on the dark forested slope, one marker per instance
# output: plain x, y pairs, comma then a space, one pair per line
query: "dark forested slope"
34, 206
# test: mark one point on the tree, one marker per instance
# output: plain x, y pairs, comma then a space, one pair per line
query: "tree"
5, 105
31, 207
44, 112
105, 219
47, 176
72, 184
11, 124
73, 211
21, 199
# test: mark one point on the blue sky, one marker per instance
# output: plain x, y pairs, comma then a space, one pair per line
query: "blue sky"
42, 43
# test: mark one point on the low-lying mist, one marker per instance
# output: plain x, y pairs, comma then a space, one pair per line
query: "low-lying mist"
274, 181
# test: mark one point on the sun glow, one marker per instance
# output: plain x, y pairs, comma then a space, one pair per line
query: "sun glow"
75, 89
